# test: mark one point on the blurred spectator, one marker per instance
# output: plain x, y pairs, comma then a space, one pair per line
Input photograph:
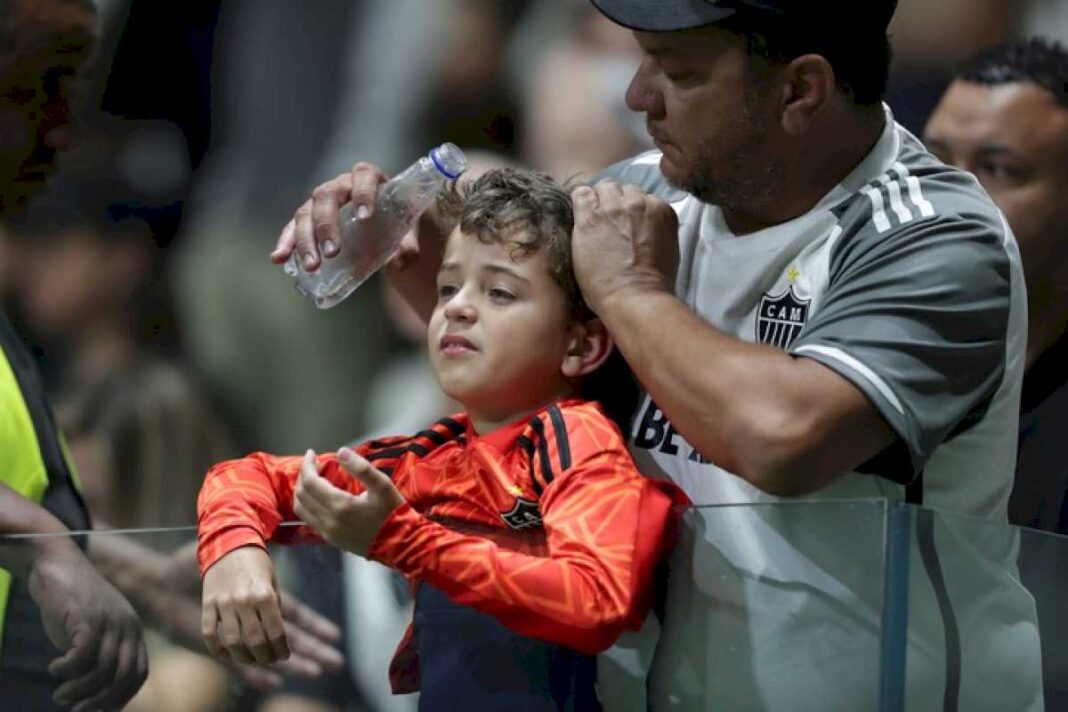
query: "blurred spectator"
469, 101
574, 119
90, 290
1005, 119
88, 287
142, 436
244, 324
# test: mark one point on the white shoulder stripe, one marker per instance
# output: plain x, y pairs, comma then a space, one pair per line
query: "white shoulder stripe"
904, 215
915, 192
892, 183
871, 376
878, 208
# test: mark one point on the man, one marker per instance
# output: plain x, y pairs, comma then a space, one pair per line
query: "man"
1005, 119
49, 589
50, 595
815, 307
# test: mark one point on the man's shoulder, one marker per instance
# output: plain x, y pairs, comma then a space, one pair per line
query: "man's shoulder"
917, 193
642, 171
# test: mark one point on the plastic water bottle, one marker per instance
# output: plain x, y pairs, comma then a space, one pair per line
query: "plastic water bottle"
367, 245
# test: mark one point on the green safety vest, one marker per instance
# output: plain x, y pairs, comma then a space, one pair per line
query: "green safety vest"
23, 465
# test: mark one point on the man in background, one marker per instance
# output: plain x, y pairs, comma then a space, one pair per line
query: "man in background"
48, 590
1005, 119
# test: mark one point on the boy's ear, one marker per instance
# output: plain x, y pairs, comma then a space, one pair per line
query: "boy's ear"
590, 345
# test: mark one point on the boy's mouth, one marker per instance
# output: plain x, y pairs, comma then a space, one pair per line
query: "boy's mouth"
456, 344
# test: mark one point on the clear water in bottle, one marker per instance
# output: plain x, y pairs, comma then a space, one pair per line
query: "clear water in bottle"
367, 245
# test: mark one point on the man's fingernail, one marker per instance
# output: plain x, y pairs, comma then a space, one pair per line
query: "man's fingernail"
309, 262
345, 453
328, 247
362, 212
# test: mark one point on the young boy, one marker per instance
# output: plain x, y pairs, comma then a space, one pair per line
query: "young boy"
527, 533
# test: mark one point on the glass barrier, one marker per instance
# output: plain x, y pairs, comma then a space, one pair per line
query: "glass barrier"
776, 607
808, 605
986, 617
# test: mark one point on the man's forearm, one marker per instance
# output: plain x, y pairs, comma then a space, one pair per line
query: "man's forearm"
134, 569
18, 516
413, 273
163, 588
788, 425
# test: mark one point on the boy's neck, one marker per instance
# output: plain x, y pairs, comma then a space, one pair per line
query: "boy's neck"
483, 424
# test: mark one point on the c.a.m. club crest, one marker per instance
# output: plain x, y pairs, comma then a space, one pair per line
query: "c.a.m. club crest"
781, 318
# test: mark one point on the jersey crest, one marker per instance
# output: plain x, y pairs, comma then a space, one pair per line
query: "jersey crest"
523, 515
780, 318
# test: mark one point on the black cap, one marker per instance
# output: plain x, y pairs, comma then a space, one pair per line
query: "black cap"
670, 15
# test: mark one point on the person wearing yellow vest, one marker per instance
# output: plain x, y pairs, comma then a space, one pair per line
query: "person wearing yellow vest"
51, 597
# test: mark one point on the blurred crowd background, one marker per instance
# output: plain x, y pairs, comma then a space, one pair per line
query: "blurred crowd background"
167, 339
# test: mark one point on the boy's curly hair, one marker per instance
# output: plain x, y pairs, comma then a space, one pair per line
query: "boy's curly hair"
528, 212
525, 211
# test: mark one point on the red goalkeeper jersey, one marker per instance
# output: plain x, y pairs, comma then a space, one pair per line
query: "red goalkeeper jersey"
545, 523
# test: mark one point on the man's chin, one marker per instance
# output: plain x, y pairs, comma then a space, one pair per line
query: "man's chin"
675, 175
684, 182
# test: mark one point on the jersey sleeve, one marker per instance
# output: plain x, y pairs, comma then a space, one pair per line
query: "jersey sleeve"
244, 502
917, 319
607, 527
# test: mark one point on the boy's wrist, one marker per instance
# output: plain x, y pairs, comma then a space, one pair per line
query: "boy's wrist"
398, 526
212, 547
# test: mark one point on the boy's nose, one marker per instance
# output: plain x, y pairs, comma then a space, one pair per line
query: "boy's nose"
459, 308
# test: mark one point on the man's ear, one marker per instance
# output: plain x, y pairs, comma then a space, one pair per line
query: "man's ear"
809, 84
588, 348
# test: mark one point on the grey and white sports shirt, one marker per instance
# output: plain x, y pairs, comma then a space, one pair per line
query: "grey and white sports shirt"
906, 280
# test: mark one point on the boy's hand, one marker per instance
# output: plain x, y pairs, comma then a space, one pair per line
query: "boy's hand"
242, 616
347, 521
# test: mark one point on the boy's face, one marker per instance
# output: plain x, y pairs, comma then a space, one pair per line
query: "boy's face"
500, 330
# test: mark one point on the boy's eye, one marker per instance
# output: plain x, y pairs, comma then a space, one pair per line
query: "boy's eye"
446, 290
499, 294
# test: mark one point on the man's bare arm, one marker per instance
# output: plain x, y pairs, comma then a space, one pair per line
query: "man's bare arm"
788, 425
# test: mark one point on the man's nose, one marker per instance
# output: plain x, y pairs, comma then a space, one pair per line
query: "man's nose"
641, 96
